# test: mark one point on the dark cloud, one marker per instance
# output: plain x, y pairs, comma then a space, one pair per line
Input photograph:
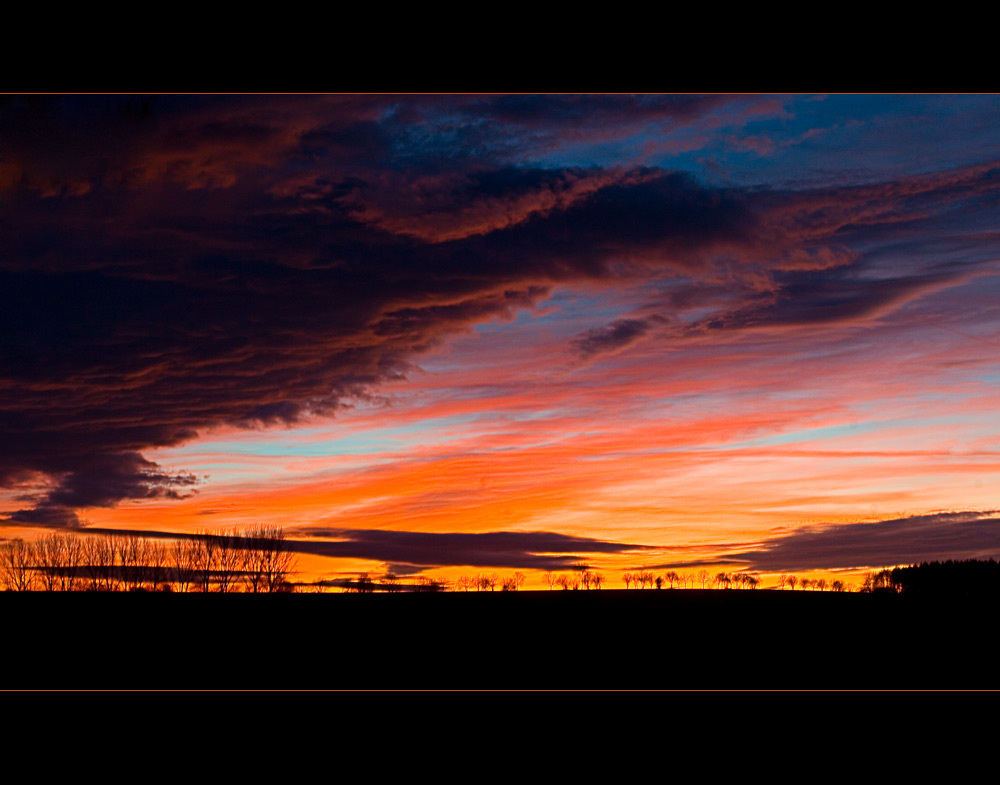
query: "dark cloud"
911, 540
511, 550
171, 264
803, 298
618, 334
408, 553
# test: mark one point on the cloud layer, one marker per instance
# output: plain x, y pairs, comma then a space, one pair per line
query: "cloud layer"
910, 540
174, 265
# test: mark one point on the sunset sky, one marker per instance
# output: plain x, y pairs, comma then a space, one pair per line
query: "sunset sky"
445, 335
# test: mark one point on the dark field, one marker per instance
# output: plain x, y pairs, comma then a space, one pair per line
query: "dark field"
608, 639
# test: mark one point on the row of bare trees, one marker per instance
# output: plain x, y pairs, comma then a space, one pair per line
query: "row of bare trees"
254, 559
641, 579
489, 582
573, 580
390, 582
818, 584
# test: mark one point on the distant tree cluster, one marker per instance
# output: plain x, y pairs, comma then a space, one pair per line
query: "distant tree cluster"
818, 584
255, 559
972, 576
390, 582
882, 580
489, 582
642, 579
572, 581
963, 578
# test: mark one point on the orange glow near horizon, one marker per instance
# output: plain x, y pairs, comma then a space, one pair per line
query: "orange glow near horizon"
610, 451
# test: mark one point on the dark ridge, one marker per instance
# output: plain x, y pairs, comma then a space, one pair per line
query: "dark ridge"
608, 639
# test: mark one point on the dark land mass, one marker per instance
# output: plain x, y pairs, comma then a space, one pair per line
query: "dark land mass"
608, 639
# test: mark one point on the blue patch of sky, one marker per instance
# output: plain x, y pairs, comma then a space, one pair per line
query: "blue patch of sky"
306, 442
568, 315
841, 138
831, 432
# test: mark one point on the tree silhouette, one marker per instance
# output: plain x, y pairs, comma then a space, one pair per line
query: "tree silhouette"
391, 582
269, 561
16, 563
231, 556
183, 562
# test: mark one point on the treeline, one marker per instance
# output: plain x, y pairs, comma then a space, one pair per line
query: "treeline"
642, 579
587, 580
971, 577
254, 559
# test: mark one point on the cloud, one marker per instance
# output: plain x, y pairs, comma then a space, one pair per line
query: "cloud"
511, 550
170, 265
409, 553
803, 299
617, 335
910, 540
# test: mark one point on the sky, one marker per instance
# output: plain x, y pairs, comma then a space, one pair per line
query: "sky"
451, 334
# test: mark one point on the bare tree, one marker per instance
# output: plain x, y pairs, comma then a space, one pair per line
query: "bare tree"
72, 556
269, 561
229, 559
17, 566
184, 563
792, 580
207, 557
157, 560
514, 582
363, 584
48, 558
99, 563
425, 584
596, 579
391, 582
132, 561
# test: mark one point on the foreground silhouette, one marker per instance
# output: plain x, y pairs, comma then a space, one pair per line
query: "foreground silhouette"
255, 559
611, 639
